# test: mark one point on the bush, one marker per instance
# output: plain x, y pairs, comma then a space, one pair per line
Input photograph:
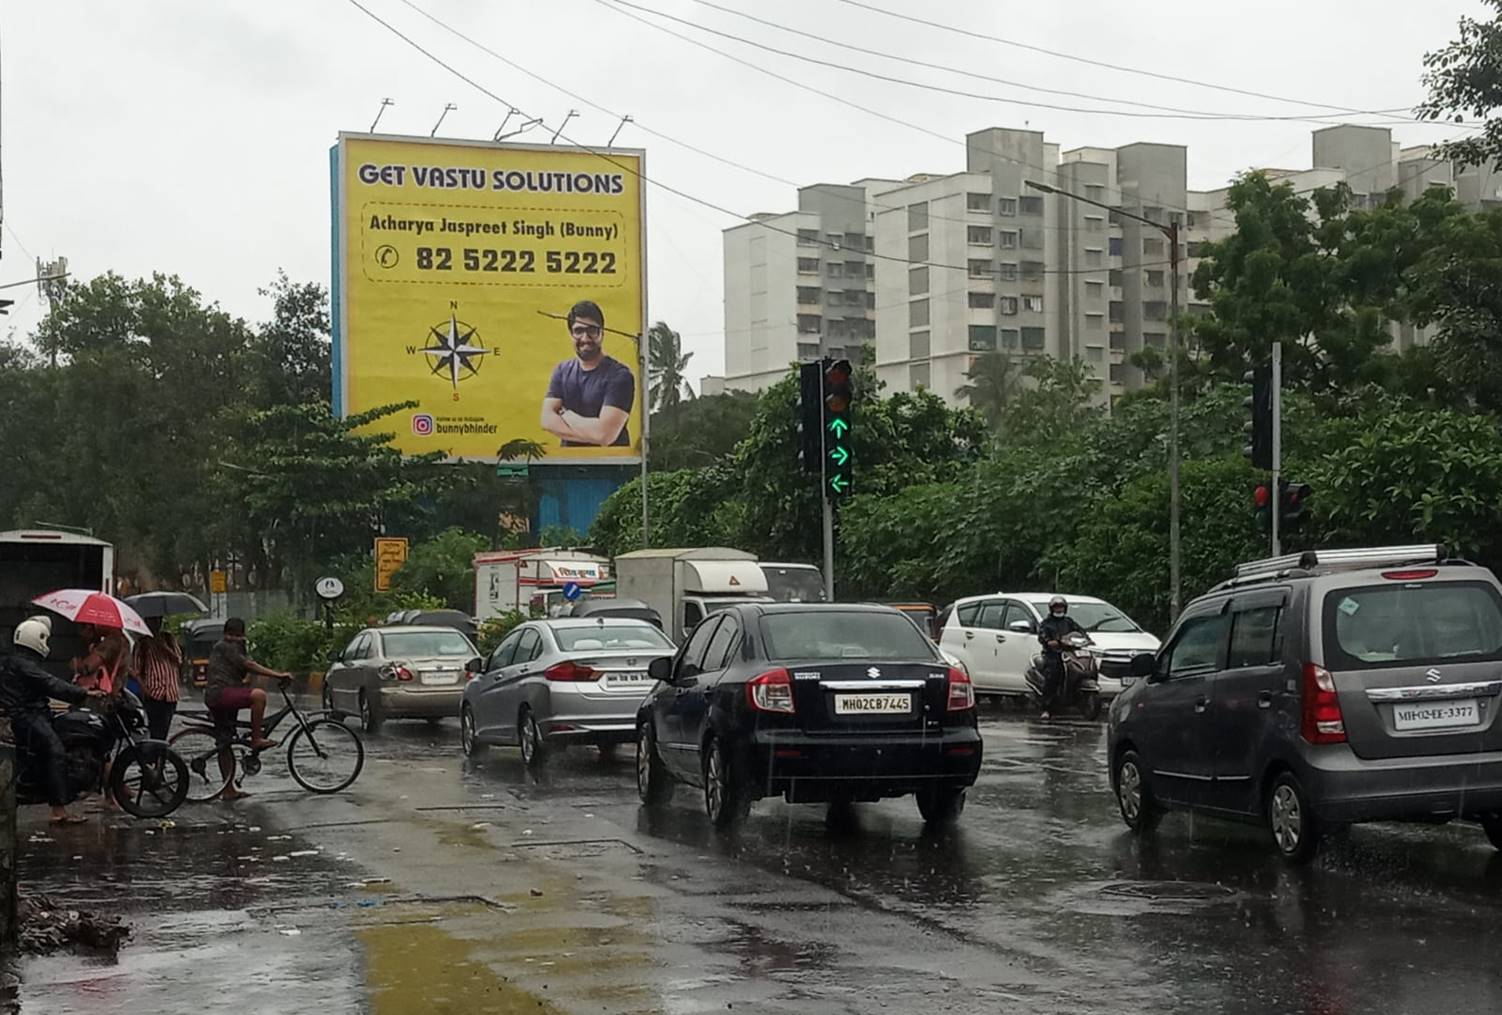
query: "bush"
493, 630
284, 641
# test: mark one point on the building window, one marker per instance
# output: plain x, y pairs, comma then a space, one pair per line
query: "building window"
1118, 373
1095, 192
870, 244
808, 294
1008, 305
834, 298
917, 314
1153, 247
979, 269
1155, 278
1095, 322
1198, 248
808, 265
1118, 342
1199, 309
1007, 239
982, 301
917, 281
870, 301
1007, 271
917, 216
1009, 338
917, 248
1032, 238
834, 269
978, 202
1153, 212
808, 237
1095, 354
836, 241
917, 345
808, 350
854, 269
982, 338
1030, 205
870, 271
1155, 310
855, 241
1117, 311
1032, 339
1156, 339
808, 324
1095, 223
1095, 257
1006, 206
1115, 276
978, 236
1032, 271
917, 376
1095, 290
1113, 246
1033, 303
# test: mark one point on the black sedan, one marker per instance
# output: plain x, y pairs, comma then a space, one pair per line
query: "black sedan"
812, 702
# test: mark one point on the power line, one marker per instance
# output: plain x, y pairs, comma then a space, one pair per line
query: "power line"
1168, 114
969, 33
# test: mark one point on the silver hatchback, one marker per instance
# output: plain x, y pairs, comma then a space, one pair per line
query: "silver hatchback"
567, 680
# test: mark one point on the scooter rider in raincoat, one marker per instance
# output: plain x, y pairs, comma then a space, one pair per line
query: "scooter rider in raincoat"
1051, 634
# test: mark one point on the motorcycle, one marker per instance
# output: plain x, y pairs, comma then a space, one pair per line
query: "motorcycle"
1081, 689
146, 777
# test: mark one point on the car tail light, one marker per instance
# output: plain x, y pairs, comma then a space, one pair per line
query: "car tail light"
571, 672
771, 692
1411, 575
961, 692
396, 671
1321, 722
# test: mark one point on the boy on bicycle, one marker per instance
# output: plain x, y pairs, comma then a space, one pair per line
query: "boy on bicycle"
225, 694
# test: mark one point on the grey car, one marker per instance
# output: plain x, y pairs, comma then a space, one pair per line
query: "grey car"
1318, 690
567, 680
399, 672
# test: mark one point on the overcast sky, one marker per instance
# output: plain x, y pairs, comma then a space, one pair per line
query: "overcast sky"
192, 137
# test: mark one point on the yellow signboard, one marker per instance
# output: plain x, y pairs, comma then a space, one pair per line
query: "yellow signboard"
390, 554
500, 287
217, 583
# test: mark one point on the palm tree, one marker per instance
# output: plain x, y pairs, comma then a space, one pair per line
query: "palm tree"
993, 379
666, 362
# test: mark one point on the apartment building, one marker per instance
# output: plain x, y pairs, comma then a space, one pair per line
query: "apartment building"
937, 270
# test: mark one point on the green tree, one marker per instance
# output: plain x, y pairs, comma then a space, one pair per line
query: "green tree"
291, 353
443, 567
1465, 85
666, 363
700, 431
990, 384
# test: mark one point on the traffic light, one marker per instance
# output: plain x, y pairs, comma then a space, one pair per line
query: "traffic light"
1292, 502
811, 417
1259, 429
839, 464
1262, 500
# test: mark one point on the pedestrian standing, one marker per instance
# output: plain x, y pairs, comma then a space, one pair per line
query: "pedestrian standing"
158, 664
105, 660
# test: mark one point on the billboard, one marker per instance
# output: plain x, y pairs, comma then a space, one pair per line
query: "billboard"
499, 287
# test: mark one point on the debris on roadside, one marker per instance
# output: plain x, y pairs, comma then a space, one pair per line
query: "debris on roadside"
45, 927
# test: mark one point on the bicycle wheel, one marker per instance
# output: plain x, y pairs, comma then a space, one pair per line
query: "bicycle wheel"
198, 746
150, 781
325, 756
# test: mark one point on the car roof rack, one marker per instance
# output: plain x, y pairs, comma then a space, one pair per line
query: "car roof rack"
1323, 561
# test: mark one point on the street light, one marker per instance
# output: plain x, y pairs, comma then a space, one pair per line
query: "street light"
1171, 230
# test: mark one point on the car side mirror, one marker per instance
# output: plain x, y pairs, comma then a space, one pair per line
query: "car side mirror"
475, 665
661, 668
1021, 626
1144, 664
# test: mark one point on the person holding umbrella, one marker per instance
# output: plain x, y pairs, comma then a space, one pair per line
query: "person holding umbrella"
158, 657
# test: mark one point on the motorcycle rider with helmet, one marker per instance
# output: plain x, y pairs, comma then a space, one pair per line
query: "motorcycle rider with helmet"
1051, 634
24, 690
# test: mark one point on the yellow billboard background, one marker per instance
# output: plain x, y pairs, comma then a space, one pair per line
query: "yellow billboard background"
448, 257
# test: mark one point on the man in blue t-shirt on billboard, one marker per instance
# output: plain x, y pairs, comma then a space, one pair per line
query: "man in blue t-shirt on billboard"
590, 396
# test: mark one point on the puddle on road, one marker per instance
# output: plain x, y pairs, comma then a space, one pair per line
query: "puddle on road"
417, 968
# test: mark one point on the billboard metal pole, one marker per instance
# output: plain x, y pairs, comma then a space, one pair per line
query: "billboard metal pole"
1277, 414
646, 427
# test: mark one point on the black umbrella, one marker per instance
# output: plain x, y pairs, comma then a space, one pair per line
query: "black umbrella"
165, 604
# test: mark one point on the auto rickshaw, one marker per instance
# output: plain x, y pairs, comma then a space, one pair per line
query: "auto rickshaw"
198, 638
925, 615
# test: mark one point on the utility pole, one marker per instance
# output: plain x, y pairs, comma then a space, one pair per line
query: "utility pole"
646, 427
1171, 231
1277, 400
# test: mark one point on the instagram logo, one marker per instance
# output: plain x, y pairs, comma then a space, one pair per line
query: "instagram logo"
422, 424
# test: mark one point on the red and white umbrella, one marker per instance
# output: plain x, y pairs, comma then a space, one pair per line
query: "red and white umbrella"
85, 606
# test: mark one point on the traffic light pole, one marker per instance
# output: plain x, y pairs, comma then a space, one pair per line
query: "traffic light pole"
1277, 488
826, 501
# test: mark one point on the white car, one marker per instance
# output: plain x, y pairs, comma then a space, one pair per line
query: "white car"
996, 636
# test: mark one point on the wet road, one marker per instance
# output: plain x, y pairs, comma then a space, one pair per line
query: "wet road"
437, 885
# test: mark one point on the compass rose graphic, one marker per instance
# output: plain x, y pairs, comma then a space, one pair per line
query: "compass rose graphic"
455, 350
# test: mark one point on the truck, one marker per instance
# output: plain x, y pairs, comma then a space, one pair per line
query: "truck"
794, 583
34, 562
685, 585
528, 580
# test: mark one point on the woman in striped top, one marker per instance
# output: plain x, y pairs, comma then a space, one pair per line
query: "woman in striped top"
158, 664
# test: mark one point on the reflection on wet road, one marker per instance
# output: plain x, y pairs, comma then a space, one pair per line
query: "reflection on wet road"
440, 885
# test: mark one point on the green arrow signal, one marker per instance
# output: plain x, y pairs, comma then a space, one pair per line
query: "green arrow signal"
838, 484
838, 426
840, 455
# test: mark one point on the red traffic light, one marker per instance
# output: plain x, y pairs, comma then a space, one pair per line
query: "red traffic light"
1262, 496
837, 386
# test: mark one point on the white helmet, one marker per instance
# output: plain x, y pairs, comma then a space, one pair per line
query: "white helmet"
34, 633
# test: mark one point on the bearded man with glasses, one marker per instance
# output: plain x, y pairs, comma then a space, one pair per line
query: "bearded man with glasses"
589, 396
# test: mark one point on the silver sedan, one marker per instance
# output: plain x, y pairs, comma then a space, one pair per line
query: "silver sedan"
567, 680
